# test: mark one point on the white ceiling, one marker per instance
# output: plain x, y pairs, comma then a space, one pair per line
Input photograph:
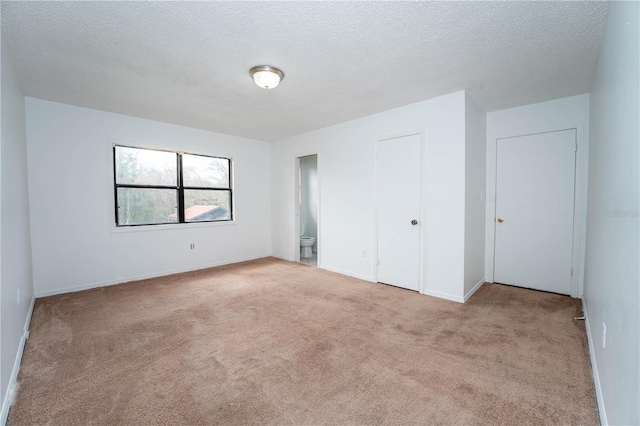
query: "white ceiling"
188, 62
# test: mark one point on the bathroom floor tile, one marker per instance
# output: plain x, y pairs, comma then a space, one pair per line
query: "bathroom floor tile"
312, 261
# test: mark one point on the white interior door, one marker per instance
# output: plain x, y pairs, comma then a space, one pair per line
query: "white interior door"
398, 206
534, 210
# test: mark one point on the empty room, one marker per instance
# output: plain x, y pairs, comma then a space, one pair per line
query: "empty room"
310, 213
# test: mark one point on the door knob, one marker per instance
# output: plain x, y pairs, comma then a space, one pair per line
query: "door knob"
414, 222
500, 219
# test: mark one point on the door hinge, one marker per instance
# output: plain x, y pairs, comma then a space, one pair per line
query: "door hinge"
571, 271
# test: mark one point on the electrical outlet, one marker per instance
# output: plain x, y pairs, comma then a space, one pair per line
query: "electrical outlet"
18, 297
604, 336
192, 246
364, 252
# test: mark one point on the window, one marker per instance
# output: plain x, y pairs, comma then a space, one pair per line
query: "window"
155, 187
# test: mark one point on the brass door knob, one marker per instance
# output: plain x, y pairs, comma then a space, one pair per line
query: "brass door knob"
414, 222
500, 219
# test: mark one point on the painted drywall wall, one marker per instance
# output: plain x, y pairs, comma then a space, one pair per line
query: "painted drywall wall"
572, 112
309, 196
346, 170
612, 281
474, 204
75, 243
15, 247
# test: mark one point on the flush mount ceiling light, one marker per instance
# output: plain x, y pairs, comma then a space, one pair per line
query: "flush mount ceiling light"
266, 77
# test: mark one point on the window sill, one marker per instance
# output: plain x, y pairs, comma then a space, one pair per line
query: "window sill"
170, 226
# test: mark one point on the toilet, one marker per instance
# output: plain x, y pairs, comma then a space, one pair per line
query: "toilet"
306, 243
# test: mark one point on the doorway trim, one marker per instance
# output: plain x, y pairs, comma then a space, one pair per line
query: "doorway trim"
423, 212
579, 194
296, 207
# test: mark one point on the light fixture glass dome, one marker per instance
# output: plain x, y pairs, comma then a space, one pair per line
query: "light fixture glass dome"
266, 76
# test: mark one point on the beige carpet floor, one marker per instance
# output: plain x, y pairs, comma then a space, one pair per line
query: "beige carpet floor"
275, 342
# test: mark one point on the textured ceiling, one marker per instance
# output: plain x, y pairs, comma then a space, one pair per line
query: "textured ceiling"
188, 62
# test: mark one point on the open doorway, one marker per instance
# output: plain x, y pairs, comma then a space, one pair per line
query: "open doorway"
307, 205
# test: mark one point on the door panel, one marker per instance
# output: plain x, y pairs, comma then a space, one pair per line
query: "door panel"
535, 198
399, 204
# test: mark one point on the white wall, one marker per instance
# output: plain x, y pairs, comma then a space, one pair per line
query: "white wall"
15, 247
612, 281
75, 243
475, 176
309, 194
346, 169
572, 112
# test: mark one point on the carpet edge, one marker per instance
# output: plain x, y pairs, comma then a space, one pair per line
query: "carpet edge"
602, 413
144, 277
7, 399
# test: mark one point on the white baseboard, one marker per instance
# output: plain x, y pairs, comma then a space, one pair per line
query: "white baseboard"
349, 274
11, 386
290, 259
474, 289
594, 368
144, 276
445, 296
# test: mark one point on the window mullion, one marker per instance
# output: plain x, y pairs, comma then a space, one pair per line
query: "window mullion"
181, 218
127, 185
207, 188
